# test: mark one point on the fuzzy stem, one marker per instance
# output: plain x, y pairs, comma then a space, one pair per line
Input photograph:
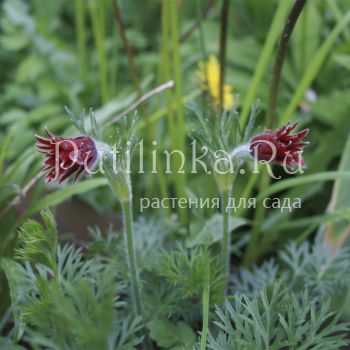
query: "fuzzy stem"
205, 304
133, 270
226, 236
223, 42
280, 56
252, 248
131, 259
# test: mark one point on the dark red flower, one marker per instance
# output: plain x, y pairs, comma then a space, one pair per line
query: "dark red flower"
280, 146
66, 156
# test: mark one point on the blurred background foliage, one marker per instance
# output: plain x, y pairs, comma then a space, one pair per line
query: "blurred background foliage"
71, 53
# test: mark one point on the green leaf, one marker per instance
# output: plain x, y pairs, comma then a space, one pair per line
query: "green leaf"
4, 345
340, 230
20, 285
172, 336
332, 108
301, 180
64, 193
4, 148
315, 66
265, 58
306, 37
211, 231
343, 60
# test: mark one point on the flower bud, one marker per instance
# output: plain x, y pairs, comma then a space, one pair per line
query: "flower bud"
280, 146
66, 157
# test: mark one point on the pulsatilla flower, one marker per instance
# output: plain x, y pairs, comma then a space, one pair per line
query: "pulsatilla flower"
280, 146
209, 74
66, 157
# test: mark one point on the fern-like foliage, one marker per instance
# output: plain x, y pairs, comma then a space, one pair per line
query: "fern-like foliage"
250, 282
186, 269
276, 320
62, 300
150, 235
38, 242
316, 267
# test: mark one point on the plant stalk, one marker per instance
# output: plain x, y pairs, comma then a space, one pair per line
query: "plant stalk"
226, 234
280, 56
223, 43
205, 304
253, 245
131, 259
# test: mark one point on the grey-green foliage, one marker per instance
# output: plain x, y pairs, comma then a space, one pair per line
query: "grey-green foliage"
63, 300
6, 342
253, 280
276, 319
80, 122
288, 317
317, 267
149, 236
222, 132
308, 265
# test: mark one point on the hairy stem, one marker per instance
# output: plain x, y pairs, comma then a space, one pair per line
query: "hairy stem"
252, 249
280, 56
131, 259
132, 265
205, 304
226, 234
223, 42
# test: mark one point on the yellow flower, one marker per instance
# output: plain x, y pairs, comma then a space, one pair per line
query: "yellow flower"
209, 74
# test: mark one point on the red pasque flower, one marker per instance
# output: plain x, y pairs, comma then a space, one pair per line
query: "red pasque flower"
66, 156
280, 146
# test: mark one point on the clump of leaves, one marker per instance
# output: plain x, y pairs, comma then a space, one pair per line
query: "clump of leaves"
317, 267
63, 300
276, 320
186, 269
